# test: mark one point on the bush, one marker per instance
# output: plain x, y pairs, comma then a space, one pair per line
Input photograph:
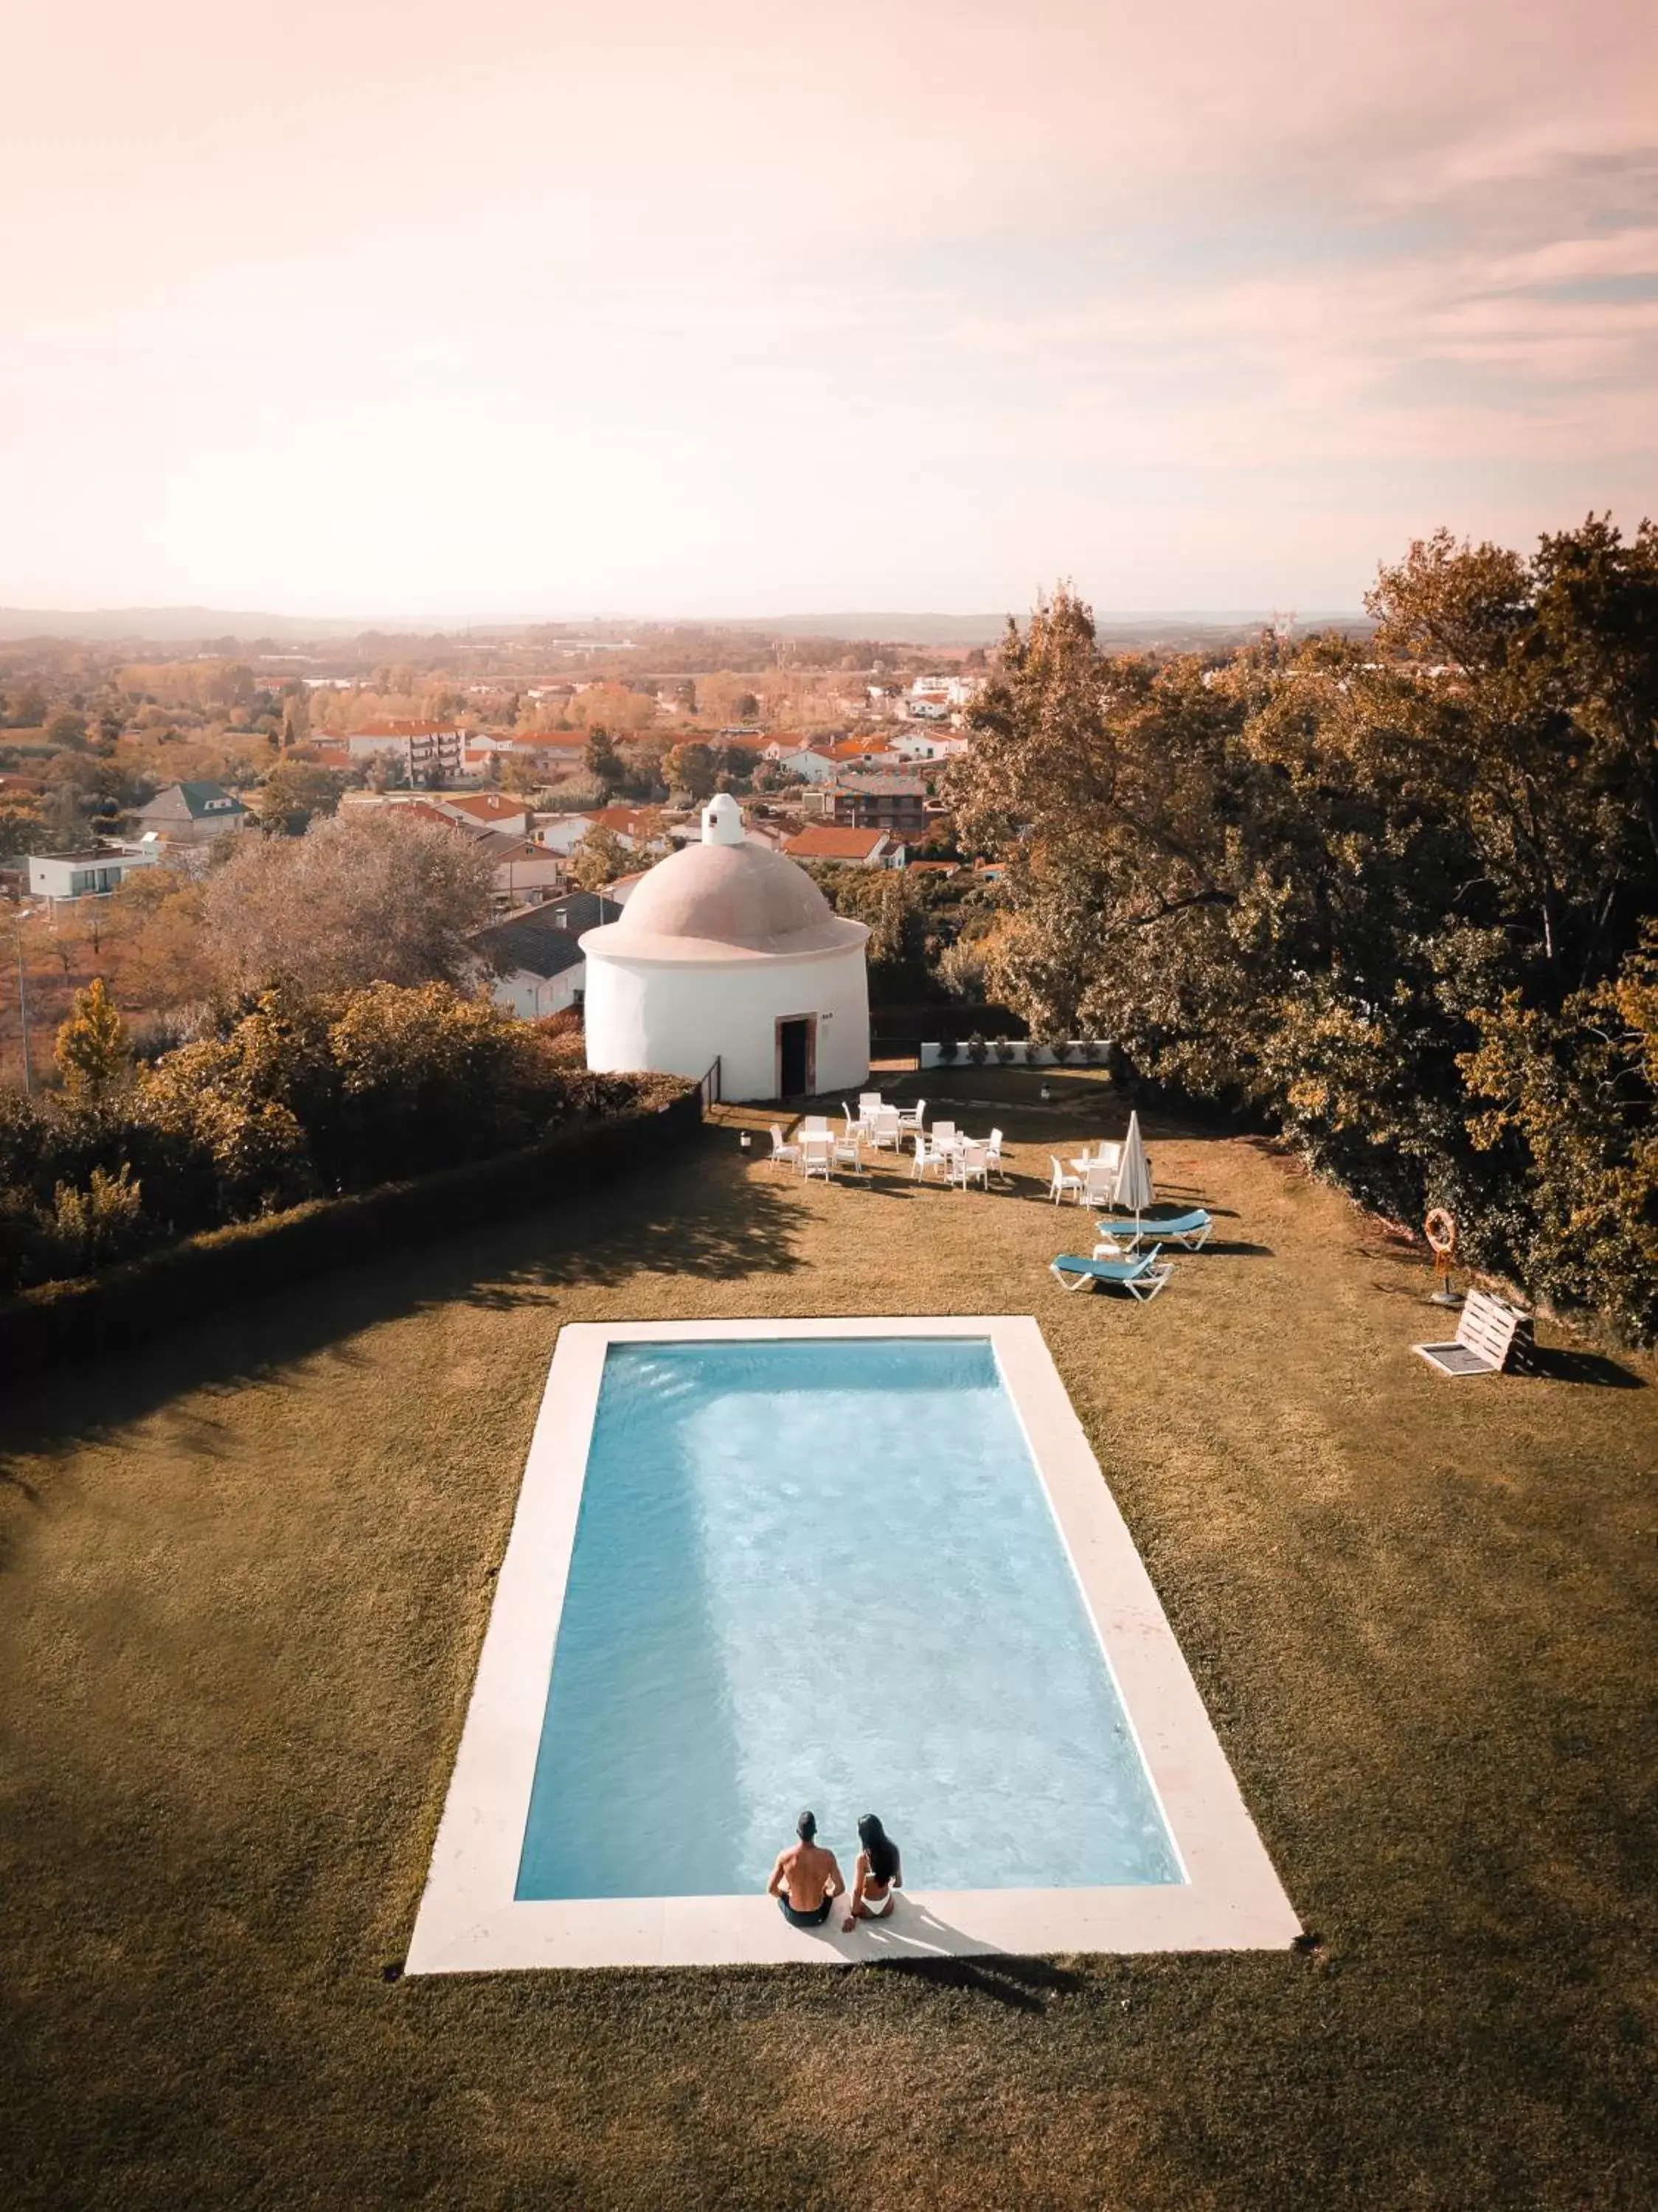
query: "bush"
947, 1049
293, 1098
978, 1050
204, 1275
102, 1223
1005, 1052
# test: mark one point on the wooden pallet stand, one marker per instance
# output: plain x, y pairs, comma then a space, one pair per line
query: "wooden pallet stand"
1490, 1336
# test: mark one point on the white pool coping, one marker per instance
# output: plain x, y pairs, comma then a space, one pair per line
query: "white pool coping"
469, 1920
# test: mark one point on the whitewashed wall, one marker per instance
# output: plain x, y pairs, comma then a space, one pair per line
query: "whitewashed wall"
673, 1019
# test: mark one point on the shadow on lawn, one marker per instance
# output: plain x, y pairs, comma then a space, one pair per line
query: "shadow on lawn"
1020, 1985
1558, 1365
693, 1214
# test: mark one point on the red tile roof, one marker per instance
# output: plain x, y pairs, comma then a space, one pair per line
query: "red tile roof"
485, 805
825, 842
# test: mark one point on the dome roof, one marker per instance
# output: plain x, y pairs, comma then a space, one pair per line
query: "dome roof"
723, 902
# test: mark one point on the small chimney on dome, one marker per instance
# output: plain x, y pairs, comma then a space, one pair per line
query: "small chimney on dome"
723, 821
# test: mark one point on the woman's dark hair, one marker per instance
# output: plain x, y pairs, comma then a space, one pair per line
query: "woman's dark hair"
882, 1850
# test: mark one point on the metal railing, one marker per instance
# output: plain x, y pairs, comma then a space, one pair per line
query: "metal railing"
709, 1088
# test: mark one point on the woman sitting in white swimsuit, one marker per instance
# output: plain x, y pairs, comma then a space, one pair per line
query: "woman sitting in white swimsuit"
879, 1872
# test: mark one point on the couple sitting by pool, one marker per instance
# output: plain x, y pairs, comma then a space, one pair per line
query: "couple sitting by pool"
807, 1879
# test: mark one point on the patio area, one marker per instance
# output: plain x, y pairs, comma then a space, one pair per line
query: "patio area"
245, 1579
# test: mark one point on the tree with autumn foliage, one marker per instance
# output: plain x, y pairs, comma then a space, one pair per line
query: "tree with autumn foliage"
1372, 890
93, 1051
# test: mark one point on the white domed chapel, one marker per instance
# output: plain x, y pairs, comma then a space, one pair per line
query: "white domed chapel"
728, 950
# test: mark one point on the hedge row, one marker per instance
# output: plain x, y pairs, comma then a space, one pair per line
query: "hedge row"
182, 1283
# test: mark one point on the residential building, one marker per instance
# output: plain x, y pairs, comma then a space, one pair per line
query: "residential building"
536, 954
427, 752
896, 803
190, 814
928, 745
636, 826
92, 874
484, 809
524, 870
851, 848
549, 752
943, 691
805, 761
562, 832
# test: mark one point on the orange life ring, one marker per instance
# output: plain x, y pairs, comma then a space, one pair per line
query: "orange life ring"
1440, 1229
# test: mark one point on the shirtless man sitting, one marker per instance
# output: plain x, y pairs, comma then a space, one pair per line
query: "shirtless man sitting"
806, 1881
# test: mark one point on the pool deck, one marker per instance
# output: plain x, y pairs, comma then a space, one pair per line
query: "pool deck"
469, 1919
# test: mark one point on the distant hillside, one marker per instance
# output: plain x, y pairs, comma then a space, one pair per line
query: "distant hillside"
1195, 630
1192, 629
168, 625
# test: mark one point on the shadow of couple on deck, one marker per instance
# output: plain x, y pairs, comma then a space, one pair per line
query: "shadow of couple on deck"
913, 1940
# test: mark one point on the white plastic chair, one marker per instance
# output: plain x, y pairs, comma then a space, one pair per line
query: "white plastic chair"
993, 1153
944, 1134
783, 1154
815, 1153
1100, 1182
886, 1132
815, 1125
928, 1156
1065, 1183
869, 1104
847, 1152
911, 1118
970, 1160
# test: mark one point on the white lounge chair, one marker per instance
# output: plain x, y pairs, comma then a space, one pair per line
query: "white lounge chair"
1066, 1183
1490, 1335
783, 1154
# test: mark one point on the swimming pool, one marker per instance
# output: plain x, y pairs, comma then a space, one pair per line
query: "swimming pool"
826, 1573
857, 1565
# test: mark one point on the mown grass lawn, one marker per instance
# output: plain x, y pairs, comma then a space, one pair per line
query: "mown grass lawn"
246, 1575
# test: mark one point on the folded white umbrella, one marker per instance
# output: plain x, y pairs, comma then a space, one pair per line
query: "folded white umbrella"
1133, 1174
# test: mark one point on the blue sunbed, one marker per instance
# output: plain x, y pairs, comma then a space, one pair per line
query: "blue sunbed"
1142, 1278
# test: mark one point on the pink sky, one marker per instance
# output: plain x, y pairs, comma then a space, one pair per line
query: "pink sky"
434, 311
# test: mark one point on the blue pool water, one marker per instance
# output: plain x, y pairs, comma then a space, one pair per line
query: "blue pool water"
825, 1572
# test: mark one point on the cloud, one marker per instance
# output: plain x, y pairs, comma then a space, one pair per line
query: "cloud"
380, 306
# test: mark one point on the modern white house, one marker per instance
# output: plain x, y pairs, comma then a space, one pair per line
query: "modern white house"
91, 874
728, 951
